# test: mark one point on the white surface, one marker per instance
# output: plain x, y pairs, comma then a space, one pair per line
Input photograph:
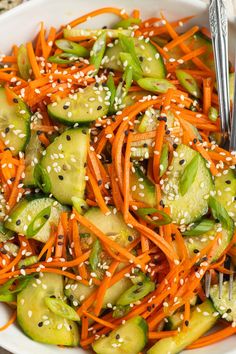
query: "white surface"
21, 24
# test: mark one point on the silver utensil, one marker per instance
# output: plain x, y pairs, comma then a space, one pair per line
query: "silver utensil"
219, 33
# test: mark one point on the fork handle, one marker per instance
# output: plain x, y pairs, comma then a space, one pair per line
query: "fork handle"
219, 31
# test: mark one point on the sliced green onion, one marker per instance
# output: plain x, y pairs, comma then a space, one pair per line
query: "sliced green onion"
38, 222
98, 51
112, 89
4, 233
189, 83
189, 175
63, 58
220, 213
60, 308
22, 282
42, 179
28, 261
200, 228
128, 46
155, 85
7, 298
213, 114
72, 48
94, 257
127, 23
79, 204
145, 212
128, 78
120, 311
164, 160
23, 62
135, 293
128, 61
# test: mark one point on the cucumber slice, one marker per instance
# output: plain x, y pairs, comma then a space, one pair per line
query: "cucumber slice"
175, 321
129, 338
142, 189
197, 243
14, 123
62, 168
190, 206
23, 62
78, 292
35, 318
225, 306
33, 154
112, 225
150, 60
111, 33
198, 40
86, 106
26, 215
226, 192
149, 122
202, 319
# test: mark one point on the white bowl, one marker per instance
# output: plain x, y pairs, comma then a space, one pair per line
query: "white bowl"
20, 25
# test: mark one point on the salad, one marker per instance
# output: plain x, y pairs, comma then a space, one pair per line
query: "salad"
117, 199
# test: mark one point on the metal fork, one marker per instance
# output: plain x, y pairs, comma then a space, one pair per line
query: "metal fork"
219, 32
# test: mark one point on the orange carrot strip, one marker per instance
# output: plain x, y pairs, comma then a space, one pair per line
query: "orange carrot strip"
176, 41
9, 322
33, 60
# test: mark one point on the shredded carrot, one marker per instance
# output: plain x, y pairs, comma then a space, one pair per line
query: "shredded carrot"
33, 61
10, 321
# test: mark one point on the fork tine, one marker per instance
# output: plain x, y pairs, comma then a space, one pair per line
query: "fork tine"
221, 278
207, 283
231, 279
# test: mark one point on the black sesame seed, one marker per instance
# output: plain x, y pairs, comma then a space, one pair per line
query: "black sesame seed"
130, 238
68, 138
229, 311
162, 203
194, 140
104, 84
149, 308
3, 251
167, 132
60, 177
126, 132
71, 297
99, 182
60, 243
18, 222
140, 283
235, 198
60, 237
217, 220
99, 108
104, 27
46, 216
145, 145
228, 181
12, 179
39, 132
70, 327
96, 84
117, 336
196, 251
186, 323
7, 130
65, 106
175, 146
85, 164
40, 324
141, 58
7, 149
15, 100
181, 162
